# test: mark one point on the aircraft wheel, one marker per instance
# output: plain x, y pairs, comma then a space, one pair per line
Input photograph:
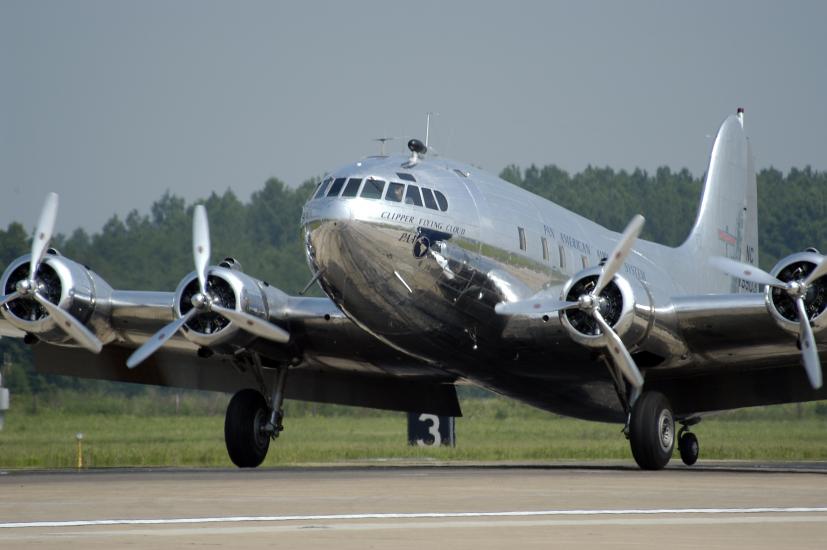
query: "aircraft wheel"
689, 448
652, 431
247, 443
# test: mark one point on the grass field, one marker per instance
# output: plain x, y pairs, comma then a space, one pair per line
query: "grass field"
151, 430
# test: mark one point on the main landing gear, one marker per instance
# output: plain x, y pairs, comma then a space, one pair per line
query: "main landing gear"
250, 423
651, 433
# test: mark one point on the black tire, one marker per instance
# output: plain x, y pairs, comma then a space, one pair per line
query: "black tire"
246, 444
689, 448
652, 431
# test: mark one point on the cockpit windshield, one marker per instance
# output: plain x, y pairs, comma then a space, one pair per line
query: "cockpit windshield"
394, 193
372, 188
352, 187
336, 187
412, 196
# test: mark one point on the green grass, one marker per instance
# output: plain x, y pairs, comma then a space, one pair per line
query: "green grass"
147, 431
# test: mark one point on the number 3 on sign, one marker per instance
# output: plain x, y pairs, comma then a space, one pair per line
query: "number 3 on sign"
433, 430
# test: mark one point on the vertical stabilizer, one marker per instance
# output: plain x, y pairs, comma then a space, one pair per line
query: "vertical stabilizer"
727, 222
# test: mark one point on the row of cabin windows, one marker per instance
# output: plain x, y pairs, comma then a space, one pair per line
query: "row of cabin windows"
373, 189
544, 244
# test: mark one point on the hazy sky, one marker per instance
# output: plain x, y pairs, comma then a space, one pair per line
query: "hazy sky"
111, 103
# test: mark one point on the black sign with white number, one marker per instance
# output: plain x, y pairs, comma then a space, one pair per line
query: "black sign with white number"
425, 430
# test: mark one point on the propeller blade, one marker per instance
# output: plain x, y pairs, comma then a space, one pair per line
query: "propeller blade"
253, 324
533, 307
746, 272
615, 261
43, 233
201, 245
158, 339
808, 345
9, 297
620, 355
819, 271
70, 325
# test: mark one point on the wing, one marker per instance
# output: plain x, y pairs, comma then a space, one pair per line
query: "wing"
732, 353
710, 352
220, 330
706, 352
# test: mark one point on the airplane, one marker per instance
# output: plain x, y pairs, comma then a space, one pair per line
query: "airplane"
438, 274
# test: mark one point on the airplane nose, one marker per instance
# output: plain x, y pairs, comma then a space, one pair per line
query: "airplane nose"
325, 224
326, 210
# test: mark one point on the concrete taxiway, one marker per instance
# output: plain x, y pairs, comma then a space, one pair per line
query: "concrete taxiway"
722, 505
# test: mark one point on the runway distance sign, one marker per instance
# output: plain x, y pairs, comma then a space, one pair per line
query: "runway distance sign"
426, 430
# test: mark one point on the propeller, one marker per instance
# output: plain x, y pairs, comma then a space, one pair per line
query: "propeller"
797, 290
591, 302
204, 302
30, 287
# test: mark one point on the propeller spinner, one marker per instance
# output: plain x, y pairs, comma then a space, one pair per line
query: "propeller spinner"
204, 302
31, 288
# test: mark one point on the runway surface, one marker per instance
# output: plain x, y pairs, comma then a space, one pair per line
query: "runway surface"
721, 505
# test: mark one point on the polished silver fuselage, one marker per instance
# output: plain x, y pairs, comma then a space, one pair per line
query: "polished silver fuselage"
426, 281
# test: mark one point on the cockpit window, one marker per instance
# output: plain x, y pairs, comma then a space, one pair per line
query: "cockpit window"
336, 187
429, 199
352, 187
322, 187
441, 200
394, 193
373, 189
412, 196
406, 177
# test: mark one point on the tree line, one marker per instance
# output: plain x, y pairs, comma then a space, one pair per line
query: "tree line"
152, 251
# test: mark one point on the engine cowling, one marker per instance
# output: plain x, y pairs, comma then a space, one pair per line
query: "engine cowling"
71, 286
781, 305
233, 289
625, 304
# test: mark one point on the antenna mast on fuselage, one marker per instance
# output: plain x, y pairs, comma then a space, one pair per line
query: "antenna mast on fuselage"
428, 125
382, 140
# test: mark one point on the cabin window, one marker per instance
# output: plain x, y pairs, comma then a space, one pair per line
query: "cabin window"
336, 187
441, 200
562, 251
430, 202
412, 196
545, 247
373, 189
322, 187
395, 192
406, 177
521, 233
352, 187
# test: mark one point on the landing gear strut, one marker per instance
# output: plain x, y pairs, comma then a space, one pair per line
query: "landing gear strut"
250, 423
652, 431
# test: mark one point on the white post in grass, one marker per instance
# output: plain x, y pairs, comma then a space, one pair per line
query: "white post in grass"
79, 437
4, 402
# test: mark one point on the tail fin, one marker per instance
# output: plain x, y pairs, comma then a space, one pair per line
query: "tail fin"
727, 223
